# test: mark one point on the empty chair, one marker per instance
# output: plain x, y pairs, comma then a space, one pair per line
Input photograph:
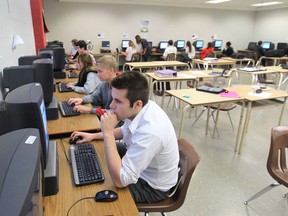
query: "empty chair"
189, 159
171, 57
277, 160
136, 57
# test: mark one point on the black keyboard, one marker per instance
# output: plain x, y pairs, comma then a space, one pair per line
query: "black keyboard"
67, 110
62, 88
73, 74
86, 168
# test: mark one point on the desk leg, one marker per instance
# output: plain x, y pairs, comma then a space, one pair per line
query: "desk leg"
282, 111
248, 111
162, 101
207, 120
181, 121
253, 80
280, 80
239, 126
216, 121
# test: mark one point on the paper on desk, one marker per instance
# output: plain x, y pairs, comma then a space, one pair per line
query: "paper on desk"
261, 95
198, 72
231, 94
186, 75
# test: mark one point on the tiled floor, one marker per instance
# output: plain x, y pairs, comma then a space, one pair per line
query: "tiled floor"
223, 179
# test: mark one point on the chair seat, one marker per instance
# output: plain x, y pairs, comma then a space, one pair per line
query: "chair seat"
225, 106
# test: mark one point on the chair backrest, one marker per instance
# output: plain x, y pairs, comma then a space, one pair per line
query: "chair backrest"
276, 163
136, 57
189, 159
171, 57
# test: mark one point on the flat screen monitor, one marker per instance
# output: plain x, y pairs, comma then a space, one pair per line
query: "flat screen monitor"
125, 44
25, 109
217, 44
21, 173
281, 46
163, 45
266, 45
180, 44
199, 44
251, 46
106, 44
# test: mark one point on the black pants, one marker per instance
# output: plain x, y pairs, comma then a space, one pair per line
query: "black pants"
142, 192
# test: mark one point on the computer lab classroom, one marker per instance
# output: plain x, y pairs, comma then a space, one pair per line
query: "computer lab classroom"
235, 148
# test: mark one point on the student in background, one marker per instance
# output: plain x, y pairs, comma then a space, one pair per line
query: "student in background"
88, 81
189, 53
129, 51
259, 51
73, 52
205, 51
82, 48
106, 67
144, 47
170, 49
227, 51
147, 160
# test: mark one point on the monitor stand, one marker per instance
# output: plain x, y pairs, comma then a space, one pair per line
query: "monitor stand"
51, 173
52, 109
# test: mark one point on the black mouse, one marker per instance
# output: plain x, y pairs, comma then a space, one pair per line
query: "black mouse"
106, 196
73, 141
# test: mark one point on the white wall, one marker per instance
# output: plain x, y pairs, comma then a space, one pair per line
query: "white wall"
85, 20
15, 17
272, 26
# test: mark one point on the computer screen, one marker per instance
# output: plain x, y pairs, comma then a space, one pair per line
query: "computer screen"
199, 44
105, 44
125, 44
25, 109
266, 45
180, 44
217, 44
163, 45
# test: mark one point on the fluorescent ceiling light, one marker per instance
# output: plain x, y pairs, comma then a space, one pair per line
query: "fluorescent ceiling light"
266, 4
216, 1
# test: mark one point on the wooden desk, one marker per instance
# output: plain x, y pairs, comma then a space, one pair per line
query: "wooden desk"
269, 70
64, 126
255, 100
153, 65
216, 62
59, 204
276, 60
192, 97
248, 60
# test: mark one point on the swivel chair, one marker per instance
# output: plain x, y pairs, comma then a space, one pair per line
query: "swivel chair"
277, 160
189, 159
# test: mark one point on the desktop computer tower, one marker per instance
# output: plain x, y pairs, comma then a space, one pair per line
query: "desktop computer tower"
3, 120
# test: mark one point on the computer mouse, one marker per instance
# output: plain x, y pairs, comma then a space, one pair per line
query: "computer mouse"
75, 140
106, 196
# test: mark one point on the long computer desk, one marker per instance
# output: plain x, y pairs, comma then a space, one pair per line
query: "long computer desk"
214, 62
64, 126
69, 194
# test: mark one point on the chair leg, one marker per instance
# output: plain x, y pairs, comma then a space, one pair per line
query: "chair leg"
228, 113
163, 214
199, 116
271, 186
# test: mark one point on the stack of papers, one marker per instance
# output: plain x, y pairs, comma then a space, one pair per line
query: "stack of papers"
252, 69
166, 73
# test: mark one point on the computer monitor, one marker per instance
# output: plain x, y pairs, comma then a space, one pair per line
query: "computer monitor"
125, 44
217, 44
41, 71
266, 45
28, 60
251, 46
180, 44
59, 58
281, 46
198, 44
105, 44
25, 109
21, 173
163, 45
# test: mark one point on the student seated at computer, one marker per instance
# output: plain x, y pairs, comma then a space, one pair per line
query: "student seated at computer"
189, 53
73, 50
207, 50
147, 160
106, 67
88, 81
169, 49
227, 51
82, 48
129, 51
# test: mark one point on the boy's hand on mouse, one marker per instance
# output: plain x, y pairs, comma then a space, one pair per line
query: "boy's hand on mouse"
86, 137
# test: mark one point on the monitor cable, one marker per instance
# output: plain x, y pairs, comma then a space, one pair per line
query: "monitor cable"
76, 203
64, 150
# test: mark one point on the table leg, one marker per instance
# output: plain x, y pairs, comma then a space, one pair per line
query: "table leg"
248, 111
216, 121
239, 126
282, 111
207, 120
181, 121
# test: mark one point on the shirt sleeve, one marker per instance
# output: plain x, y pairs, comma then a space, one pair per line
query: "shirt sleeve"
138, 158
90, 85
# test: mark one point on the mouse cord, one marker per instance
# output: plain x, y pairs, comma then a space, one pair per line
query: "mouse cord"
64, 150
76, 203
